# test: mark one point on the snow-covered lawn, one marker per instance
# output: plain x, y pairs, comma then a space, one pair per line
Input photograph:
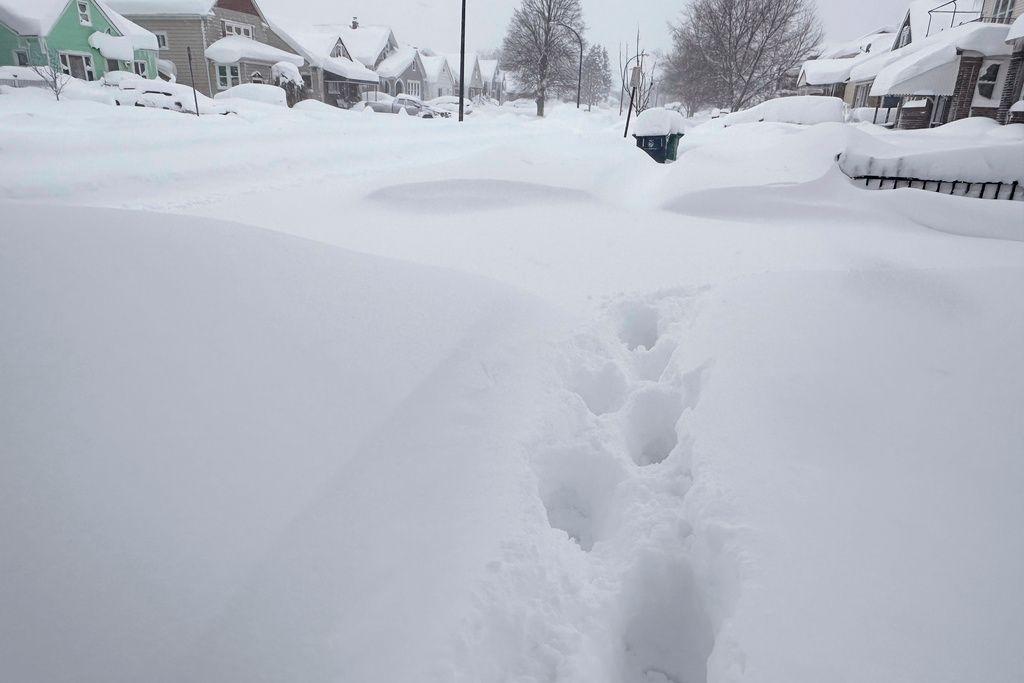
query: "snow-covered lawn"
312, 395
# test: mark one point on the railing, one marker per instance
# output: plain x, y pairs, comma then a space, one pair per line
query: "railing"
1005, 17
959, 188
21, 83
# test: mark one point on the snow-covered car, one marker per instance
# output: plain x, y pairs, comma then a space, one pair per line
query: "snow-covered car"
256, 92
450, 104
413, 106
154, 93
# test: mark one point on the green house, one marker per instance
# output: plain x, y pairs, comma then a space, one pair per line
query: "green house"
82, 38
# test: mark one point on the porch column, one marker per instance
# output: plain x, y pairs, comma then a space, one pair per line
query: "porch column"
1012, 84
963, 92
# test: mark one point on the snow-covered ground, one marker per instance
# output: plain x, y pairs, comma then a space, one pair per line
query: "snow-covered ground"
311, 395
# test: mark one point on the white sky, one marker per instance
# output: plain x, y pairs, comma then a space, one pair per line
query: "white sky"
435, 23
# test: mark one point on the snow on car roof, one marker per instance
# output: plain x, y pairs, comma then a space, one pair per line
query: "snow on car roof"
231, 49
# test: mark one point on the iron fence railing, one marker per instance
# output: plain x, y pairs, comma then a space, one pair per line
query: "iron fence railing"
1011, 191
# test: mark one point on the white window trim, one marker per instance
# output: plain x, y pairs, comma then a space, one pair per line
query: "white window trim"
87, 14
227, 68
237, 28
413, 88
145, 68
159, 35
90, 63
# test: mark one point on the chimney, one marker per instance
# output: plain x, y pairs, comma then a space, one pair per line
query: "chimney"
355, 22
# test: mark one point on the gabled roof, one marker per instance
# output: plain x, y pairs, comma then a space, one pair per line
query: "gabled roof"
472, 62
316, 46
875, 41
397, 62
38, 17
134, 7
488, 68
434, 66
366, 43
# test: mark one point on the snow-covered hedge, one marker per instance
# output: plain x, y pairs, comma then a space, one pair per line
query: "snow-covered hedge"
256, 92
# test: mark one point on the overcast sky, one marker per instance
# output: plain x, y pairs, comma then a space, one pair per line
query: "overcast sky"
435, 23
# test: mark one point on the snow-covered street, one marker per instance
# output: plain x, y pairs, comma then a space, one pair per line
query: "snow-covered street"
315, 395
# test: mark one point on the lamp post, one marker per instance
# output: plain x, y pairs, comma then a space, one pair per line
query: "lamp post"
579, 83
462, 67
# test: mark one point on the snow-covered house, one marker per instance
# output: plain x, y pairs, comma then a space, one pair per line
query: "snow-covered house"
949, 61
439, 79
829, 73
368, 45
334, 75
493, 79
1011, 106
403, 72
474, 77
231, 41
83, 38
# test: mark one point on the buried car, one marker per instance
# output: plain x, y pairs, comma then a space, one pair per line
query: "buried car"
450, 104
386, 104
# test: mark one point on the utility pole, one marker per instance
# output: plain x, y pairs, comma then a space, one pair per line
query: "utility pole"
462, 67
191, 74
579, 83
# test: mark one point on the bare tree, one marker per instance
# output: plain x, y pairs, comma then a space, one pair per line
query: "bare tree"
53, 75
597, 75
735, 53
539, 51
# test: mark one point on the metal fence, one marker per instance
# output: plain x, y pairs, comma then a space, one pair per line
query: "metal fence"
21, 83
960, 188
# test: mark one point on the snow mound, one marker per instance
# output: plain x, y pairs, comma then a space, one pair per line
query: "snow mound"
659, 121
255, 92
804, 110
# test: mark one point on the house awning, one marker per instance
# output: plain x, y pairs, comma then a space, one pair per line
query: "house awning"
927, 72
349, 70
234, 49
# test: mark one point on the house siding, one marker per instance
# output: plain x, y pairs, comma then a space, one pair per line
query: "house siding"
1013, 84
182, 33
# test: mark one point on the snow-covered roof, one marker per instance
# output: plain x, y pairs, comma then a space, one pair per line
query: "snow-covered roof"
880, 40
923, 22
488, 68
929, 66
346, 68
232, 49
113, 47
827, 71
397, 62
433, 65
1016, 29
453, 63
366, 43
38, 17
142, 7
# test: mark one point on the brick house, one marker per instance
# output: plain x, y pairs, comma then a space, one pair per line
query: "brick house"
950, 61
249, 50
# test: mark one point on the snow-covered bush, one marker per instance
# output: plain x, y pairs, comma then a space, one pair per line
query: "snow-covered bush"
256, 92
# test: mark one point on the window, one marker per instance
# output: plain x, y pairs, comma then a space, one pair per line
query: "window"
1003, 11
399, 87
77, 66
21, 57
987, 81
440, 92
141, 69
333, 88
233, 28
904, 37
227, 76
413, 88
256, 77
84, 18
113, 65
161, 39
387, 87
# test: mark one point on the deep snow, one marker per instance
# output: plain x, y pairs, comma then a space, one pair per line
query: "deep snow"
730, 420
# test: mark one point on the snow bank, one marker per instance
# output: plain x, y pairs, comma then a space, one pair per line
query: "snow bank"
981, 164
805, 110
659, 121
255, 92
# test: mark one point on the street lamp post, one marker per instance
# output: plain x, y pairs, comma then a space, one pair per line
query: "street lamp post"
579, 83
462, 67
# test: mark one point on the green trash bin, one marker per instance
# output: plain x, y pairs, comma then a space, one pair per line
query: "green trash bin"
673, 146
657, 132
661, 148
